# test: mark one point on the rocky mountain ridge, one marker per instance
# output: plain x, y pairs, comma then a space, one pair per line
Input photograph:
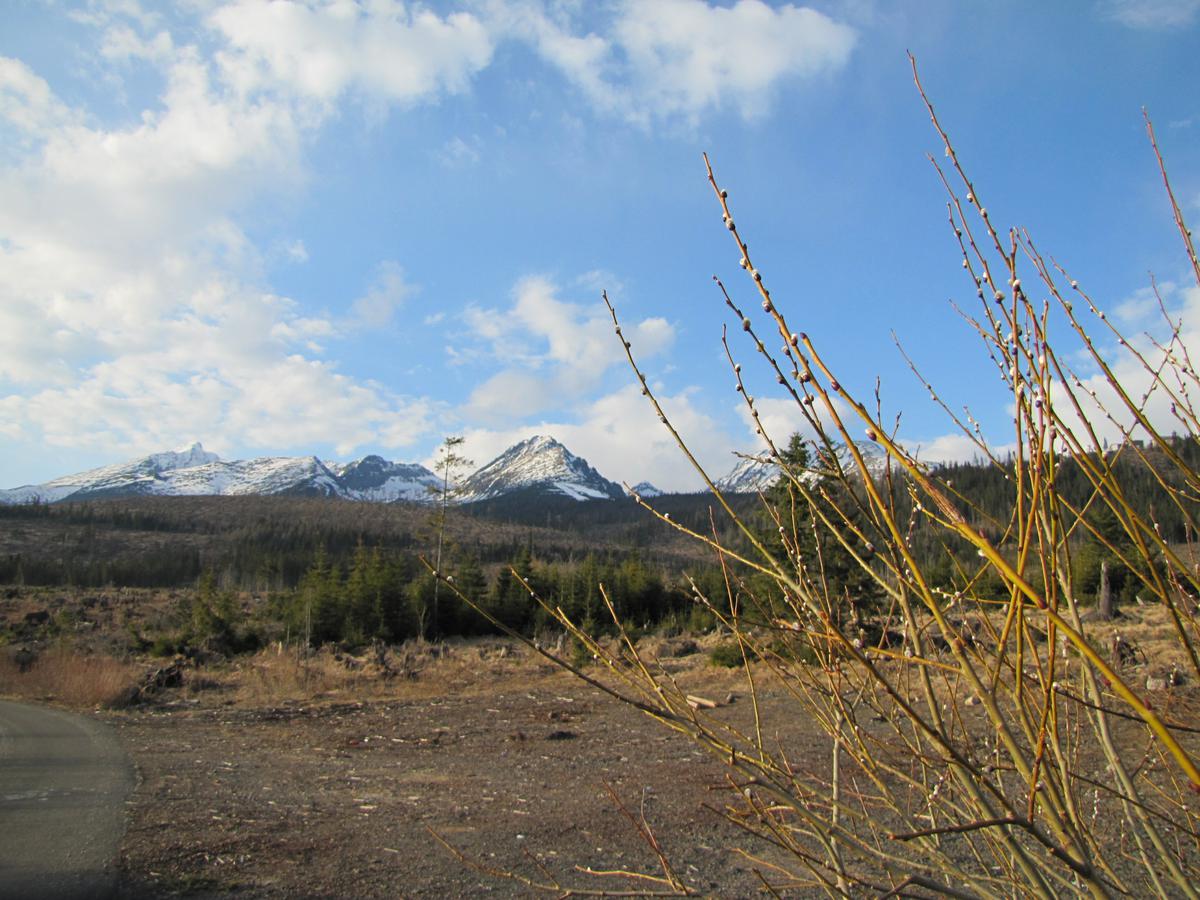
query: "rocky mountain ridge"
536, 466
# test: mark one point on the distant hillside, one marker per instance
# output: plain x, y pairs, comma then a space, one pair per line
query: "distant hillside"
269, 542
265, 542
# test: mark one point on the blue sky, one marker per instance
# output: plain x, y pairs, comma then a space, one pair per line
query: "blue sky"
357, 227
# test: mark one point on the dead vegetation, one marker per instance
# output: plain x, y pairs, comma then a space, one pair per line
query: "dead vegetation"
65, 676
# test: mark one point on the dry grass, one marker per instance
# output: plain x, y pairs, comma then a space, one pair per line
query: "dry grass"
72, 678
412, 670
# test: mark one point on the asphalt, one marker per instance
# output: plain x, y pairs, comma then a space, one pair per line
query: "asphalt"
64, 780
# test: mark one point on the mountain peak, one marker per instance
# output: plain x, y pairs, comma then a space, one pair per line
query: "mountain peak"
543, 464
185, 457
538, 442
645, 489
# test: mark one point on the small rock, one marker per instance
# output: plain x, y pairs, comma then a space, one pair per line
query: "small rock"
1156, 684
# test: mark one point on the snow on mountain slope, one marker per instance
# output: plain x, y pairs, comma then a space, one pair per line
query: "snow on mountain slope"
195, 472
748, 476
264, 475
752, 474
540, 463
147, 475
645, 490
375, 478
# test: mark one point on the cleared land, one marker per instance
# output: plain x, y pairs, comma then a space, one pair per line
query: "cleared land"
506, 760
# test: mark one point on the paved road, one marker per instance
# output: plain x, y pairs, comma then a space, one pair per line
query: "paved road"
63, 784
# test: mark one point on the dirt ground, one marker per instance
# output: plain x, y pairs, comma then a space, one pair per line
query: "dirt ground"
510, 762
276, 775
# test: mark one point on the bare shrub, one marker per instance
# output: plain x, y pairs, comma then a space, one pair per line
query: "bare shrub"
979, 738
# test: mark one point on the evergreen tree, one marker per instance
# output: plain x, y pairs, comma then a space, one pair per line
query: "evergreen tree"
319, 600
470, 580
827, 563
364, 586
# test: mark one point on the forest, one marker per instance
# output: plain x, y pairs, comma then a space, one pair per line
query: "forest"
264, 568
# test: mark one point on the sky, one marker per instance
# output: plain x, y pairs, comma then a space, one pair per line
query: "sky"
341, 227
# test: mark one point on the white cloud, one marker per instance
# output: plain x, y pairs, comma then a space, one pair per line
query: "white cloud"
553, 351
123, 44
387, 294
1137, 310
296, 251
584, 60
224, 368
509, 395
100, 13
132, 309
133, 305
684, 58
688, 57
1151, 14
954, 447
26, 101
383, 49
456, 152
781, 417
1183, 305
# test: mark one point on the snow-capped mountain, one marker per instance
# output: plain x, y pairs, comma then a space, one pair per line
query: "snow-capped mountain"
539, 464
645, 490
375, 478
194, 471
543, 464
749, 475
752, 474
140, 476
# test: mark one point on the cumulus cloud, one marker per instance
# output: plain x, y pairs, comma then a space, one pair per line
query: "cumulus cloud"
553, 351
122, 43
26, 102
687, 56
684, 58
132, 308
1151, 14
954, 447
1142, 324
384, 49
781, 417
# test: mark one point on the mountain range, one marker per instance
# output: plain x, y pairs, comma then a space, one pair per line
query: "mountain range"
537, 466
